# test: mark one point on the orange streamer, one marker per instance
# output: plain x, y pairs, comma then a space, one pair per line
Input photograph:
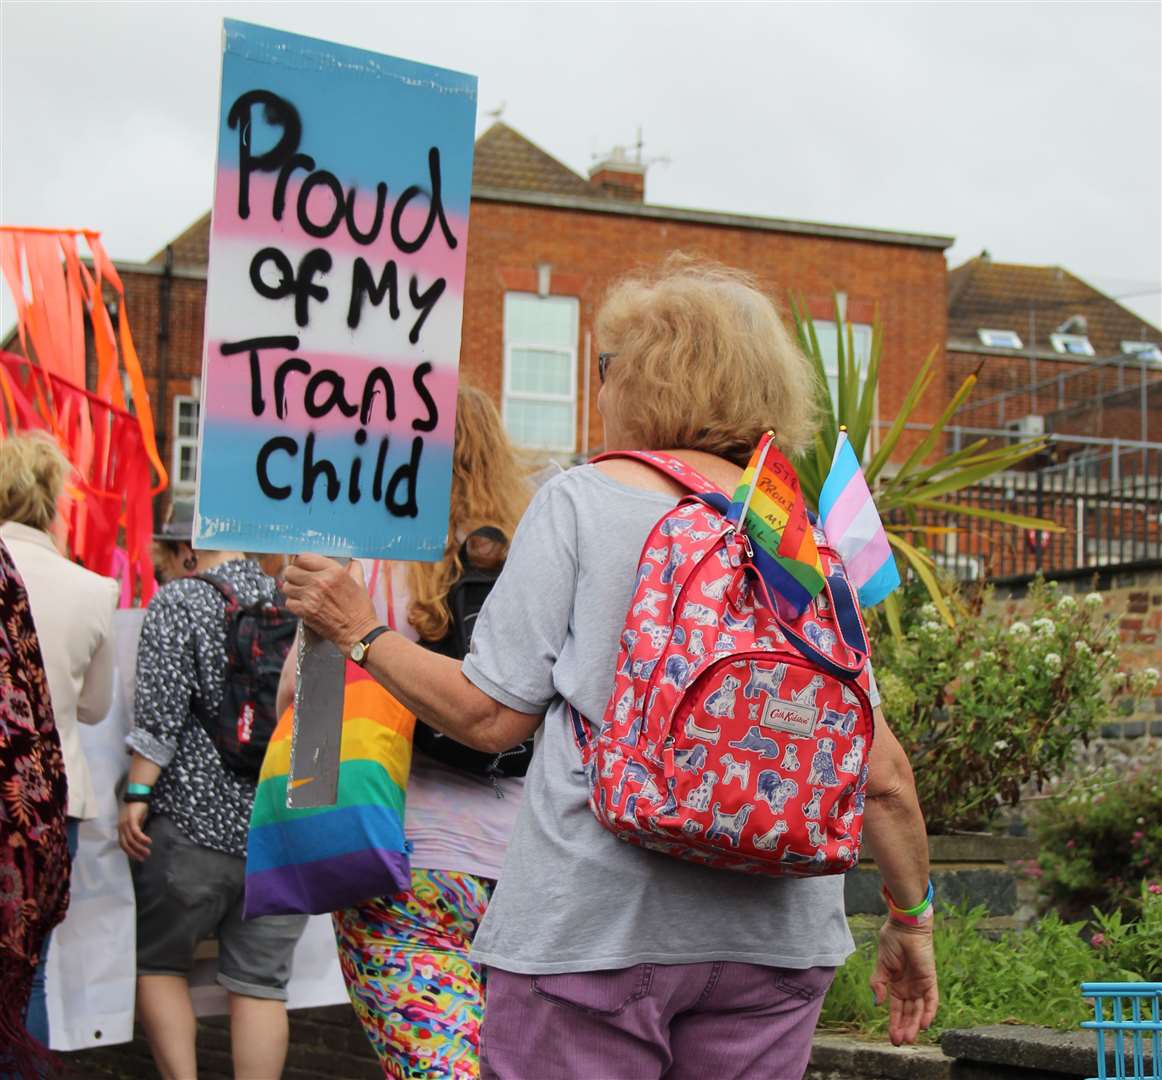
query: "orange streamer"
111, 449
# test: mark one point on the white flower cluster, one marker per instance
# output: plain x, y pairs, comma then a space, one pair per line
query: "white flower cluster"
1044, 627
1019, 629
967, 666
1052, 663
1083, 648
1093, 600
928, 611
1067, 603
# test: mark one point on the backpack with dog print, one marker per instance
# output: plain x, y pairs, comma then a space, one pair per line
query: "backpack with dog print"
735, 736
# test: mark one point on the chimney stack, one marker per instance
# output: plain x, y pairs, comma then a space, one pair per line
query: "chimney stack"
619, 177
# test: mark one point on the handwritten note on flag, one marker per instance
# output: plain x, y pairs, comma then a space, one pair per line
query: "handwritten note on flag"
777, 523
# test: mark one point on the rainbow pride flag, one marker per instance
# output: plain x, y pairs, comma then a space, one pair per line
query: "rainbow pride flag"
320, 859
852, 526
776, 522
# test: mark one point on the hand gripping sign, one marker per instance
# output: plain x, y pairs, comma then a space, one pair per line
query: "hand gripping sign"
333, 311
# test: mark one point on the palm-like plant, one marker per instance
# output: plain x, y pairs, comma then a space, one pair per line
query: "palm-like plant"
918, 484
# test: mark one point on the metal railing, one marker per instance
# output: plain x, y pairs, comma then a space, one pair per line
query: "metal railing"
1106, 500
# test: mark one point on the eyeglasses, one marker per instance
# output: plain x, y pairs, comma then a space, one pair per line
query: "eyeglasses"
603, 363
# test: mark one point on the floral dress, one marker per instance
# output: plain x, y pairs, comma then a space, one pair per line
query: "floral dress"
34, 854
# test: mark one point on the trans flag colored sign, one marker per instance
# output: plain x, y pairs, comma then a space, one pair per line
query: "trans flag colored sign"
334, 300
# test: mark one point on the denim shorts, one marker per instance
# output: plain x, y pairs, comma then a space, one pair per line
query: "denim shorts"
187, 893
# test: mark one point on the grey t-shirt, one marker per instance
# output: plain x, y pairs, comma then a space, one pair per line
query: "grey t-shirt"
571, 896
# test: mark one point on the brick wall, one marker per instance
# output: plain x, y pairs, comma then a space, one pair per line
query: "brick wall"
586, 252
182, 344
326, 1042
1099, 400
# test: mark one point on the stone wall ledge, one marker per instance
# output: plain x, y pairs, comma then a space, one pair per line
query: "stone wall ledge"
850, 1056
972, 848
997, 1052
1055, 1053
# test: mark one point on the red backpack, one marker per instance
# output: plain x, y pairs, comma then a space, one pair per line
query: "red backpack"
734, 736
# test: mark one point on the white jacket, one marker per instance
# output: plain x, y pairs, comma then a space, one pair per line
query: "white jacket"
73, 611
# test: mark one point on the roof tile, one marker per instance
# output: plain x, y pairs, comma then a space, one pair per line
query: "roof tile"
503, 159
1000, 296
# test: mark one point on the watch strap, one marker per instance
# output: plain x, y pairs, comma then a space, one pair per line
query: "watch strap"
366, 641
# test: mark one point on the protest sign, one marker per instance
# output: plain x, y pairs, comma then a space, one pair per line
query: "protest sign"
334, 299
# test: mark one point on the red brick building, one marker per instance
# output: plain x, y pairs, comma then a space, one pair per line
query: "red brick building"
544, 244
1054, 355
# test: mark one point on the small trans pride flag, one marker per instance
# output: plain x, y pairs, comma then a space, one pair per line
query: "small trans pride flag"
770, 508
853, 527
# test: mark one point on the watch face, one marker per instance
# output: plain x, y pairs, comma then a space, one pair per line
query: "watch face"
357, 651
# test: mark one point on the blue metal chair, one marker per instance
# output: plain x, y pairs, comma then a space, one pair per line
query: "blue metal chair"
1127, 1003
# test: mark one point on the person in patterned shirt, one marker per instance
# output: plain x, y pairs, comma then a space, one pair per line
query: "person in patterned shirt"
185, 825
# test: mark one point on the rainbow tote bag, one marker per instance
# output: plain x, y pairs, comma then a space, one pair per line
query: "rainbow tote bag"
319, 859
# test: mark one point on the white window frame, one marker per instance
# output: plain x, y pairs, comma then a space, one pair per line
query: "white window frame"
1072, 344
989, 337
523, 395
1136, 348
832, 372
178, 442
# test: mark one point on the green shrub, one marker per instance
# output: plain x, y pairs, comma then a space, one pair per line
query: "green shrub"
992, 704
1031, 976
1101, 840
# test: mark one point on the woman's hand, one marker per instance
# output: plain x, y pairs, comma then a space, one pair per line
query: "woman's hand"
131, 834
331, 599
905, 974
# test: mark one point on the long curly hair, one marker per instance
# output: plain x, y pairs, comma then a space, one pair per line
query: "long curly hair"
490, 486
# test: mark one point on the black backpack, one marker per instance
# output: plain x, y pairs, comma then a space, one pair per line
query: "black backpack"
465, 599
258, 638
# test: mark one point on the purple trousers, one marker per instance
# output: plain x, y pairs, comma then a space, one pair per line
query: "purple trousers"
710, 1021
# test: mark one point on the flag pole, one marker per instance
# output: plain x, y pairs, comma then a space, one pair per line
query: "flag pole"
758, 468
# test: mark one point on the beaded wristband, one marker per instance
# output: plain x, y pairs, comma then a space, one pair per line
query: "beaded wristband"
913, 916
138, 789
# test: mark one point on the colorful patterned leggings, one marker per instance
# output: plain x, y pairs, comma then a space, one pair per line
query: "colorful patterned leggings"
405, 962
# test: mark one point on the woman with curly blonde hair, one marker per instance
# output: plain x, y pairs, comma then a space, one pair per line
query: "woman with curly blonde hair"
606, 959
405, 957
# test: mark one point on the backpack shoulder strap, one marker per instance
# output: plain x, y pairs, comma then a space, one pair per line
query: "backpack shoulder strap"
223, 587
674, 468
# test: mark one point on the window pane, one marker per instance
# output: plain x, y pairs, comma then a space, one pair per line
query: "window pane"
539, 371
187, 419
549, 320
187, 463
540, 423
861, 339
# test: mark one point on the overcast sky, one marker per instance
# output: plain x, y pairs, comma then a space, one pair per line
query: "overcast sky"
1033, 130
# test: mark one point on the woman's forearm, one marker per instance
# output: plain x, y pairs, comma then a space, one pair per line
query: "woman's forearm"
143, 771
435, 689
894, 828
893, 823
334, 602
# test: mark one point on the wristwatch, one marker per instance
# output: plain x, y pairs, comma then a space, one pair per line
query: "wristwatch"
359, 649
